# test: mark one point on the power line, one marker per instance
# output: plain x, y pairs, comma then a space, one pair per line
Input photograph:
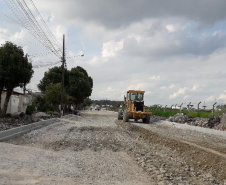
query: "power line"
33, 43
35, 21
27, 19
20, 16
82, 55
41, 54
20, 38
44, 23
47, 65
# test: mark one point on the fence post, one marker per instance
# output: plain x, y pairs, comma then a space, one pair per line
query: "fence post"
198, 105
213, 107
171, 106
188, 106
165, 108
180, 107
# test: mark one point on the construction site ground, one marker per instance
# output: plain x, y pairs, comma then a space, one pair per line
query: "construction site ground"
95, 148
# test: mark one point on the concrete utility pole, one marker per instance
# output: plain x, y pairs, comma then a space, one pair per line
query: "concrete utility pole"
62, 81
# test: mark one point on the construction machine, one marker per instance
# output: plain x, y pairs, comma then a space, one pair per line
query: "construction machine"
133, 107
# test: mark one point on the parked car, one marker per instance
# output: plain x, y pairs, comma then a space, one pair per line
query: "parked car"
97, 107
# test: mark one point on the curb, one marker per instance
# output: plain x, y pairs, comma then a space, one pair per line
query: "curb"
14, 132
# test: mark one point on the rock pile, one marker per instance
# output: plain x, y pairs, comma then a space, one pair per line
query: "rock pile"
154, 118
222, 124
179, 118
40, 116
213, 122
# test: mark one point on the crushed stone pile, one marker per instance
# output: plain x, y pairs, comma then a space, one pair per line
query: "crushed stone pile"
216, 122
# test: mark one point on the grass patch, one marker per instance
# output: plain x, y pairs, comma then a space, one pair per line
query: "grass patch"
191, 114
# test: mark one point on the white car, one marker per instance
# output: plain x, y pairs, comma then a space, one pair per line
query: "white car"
97, 108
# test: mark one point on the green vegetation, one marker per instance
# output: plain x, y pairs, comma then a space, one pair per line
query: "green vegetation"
41, 104
192, 113
15, 71
30, 109
77, 88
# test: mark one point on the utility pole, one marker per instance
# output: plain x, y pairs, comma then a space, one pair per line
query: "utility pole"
62, 81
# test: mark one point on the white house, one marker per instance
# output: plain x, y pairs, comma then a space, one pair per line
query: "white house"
18, 102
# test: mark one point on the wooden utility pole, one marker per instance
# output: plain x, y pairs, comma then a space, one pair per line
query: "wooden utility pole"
62, 81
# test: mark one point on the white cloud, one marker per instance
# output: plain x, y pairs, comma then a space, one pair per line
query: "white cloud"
155, 78
180, 92
210, 99
171, 86
96, 60
222, 97
110, 89
167, 87
170, 28
111, 48
163, 87
138, 85
195, 88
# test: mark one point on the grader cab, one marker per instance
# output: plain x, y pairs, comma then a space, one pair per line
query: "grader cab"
134, 107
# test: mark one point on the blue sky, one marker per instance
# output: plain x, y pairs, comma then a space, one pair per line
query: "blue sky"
174, 51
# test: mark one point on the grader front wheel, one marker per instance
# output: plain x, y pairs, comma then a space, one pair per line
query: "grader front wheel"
125, 116
146, 119
120, 114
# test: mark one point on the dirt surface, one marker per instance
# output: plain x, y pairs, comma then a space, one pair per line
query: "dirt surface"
95, 148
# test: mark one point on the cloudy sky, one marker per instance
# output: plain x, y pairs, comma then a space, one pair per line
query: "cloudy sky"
174, 50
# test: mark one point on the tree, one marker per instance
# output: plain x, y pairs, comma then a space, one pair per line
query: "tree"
53, 76
15, 70
27, 73
2, 78
53, 95
87, 102
41, 103
78, 85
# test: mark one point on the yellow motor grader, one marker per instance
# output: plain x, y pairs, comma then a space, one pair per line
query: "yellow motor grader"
133, 107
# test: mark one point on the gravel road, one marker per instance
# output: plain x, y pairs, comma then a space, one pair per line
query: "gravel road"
95, 148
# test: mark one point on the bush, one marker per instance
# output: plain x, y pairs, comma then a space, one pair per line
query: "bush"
30, 109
